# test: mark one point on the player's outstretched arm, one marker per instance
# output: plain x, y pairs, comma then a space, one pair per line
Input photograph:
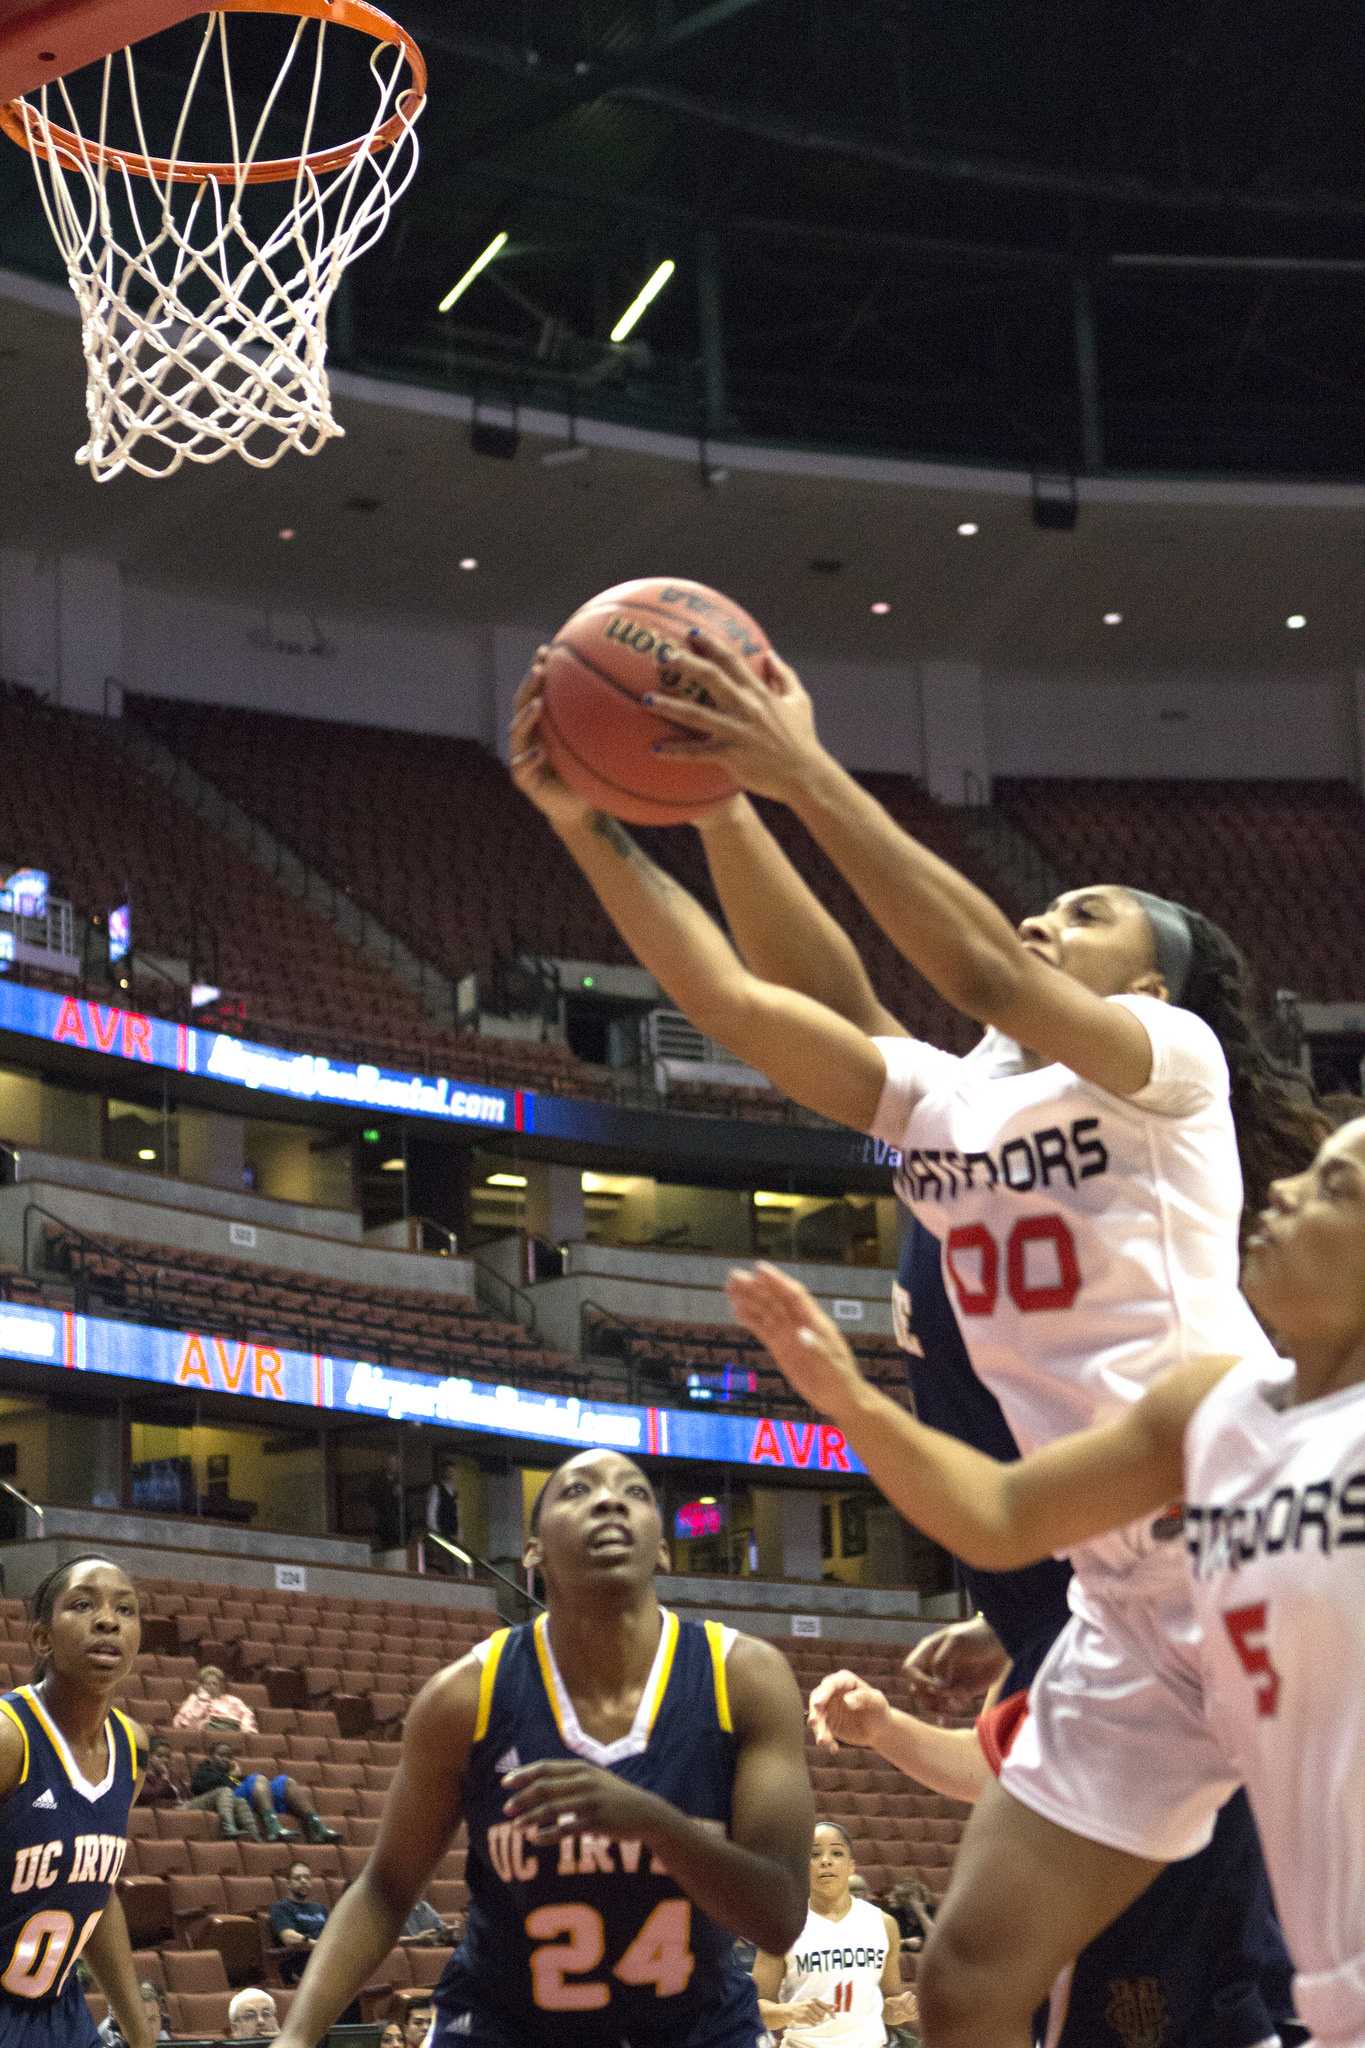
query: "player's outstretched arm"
846, 1709
421, 1814
945, 926
992, 1515
811, 1054
782, 930
755, 1880
109, 1953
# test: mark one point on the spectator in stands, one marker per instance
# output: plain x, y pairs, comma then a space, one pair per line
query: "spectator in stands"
389, 1505
211, 1706
417, 2023
425, 1925
911, 1906
111, 2034
267, 1798
252, 2016
443, 1514
160, 1786
296, 1921
216, 1788
392, 2036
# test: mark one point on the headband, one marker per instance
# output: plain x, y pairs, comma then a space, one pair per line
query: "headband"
1172, 940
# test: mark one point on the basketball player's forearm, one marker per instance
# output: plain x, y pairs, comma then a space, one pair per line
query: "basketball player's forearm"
942, 923
666, 928
360, 1930
109, 1953
754, 1896
949, 1761
780, 926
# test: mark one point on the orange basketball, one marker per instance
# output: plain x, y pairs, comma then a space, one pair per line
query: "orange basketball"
616, 649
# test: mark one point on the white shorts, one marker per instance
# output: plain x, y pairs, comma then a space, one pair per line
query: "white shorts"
1115, 1746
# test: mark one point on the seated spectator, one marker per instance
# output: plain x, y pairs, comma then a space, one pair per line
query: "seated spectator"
266, 1798
211, 1706
417, 2023
111, 2034
216, 1787
424, 1924
160, 1786
392, 2036
252, 2016
296, 1921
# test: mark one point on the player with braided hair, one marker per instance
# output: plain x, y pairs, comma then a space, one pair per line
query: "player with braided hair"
1080, 1173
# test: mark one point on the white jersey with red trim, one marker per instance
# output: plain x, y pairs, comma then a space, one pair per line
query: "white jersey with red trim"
1089, 1239
1275, 1528
840, 1962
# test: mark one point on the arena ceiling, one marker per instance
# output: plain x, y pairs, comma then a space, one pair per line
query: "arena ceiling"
1044, 233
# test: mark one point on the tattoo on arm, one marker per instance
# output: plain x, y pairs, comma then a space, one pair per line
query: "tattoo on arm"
619, 840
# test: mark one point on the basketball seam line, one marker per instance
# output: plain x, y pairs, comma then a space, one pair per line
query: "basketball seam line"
635, 795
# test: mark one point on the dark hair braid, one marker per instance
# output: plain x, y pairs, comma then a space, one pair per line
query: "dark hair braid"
1278, 1122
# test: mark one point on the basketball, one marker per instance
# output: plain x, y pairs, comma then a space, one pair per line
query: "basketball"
598, 736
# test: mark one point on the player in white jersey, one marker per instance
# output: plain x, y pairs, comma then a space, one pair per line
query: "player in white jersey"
1082, 1171
1269, 1457
839, 1985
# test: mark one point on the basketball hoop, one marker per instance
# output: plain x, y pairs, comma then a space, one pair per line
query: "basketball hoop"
204, 283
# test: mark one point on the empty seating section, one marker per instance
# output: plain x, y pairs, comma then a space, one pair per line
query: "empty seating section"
505, 885
669, 1353
198, 1906
201, 1290
1276, 863
197, 898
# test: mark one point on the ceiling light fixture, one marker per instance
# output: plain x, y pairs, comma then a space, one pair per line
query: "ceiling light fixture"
147, 1152
391, 1166
644, 299
881, 608
968, 528
469, 561
1113, 618
1296, 621
505, 1180
458, 290
289, 533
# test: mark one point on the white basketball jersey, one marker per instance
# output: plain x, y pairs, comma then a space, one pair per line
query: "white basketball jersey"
841, 1962
1275, 1527
1089, 1240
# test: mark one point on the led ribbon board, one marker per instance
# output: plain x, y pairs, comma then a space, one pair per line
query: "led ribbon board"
347, 1386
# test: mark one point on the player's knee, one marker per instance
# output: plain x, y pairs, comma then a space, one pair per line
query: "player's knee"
964, 1996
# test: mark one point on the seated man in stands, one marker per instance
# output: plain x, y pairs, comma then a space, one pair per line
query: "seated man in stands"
266, 1797
160, 1786
110, 2034
417, 2022
212, 1707
296, 1921
252, 2016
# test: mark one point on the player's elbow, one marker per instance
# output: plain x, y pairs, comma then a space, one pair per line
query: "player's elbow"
780, 1914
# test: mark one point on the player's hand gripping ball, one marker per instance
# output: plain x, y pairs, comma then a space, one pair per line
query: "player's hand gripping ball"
597, 735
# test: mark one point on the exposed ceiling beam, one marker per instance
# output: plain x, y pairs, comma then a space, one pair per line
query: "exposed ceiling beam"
995, 172
561, 90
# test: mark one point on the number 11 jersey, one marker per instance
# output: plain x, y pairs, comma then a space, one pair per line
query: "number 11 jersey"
1089, 1240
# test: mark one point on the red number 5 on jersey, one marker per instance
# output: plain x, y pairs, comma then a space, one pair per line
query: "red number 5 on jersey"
1247, 1626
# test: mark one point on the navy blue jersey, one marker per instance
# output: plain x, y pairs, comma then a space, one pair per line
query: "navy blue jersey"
589, 1942
62, 1845
1026, 1608
1198, 1961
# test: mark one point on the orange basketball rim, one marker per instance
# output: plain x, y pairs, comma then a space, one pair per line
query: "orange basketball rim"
42, 40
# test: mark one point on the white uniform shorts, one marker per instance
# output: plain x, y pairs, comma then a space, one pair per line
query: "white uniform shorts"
1115, 1746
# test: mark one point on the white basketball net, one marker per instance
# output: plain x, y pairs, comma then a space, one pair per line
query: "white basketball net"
204, 335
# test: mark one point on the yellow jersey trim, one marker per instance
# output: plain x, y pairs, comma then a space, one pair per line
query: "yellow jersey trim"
85, 1786
130, 1730
664, 1670
497, 1643
715, 1636
7, 1710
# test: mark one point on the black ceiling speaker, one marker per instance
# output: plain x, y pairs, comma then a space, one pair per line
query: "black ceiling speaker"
1055, 506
